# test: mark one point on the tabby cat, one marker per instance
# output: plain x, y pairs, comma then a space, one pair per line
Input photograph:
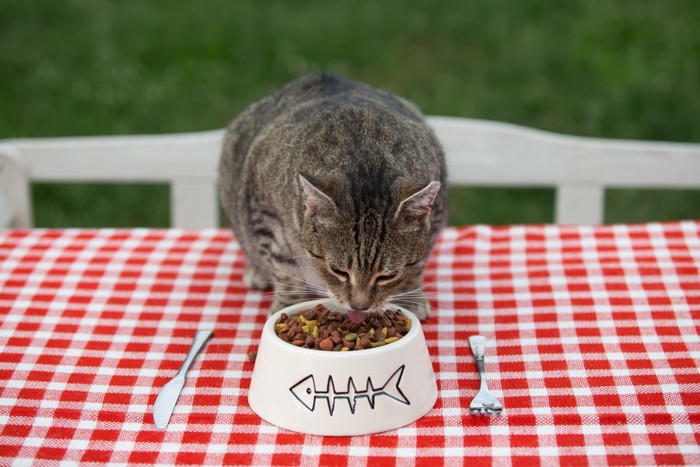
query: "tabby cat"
334, 188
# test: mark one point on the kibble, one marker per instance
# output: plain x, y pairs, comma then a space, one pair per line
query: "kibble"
331, 331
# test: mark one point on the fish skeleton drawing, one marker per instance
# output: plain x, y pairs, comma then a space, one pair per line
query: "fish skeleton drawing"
306, 392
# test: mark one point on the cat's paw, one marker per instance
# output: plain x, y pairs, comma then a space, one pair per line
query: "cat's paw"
256, 278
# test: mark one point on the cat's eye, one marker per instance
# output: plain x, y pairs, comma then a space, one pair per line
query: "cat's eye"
342, 275
385, 278
314, 255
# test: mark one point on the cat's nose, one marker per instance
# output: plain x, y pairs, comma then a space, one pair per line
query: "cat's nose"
360, 305
360, 300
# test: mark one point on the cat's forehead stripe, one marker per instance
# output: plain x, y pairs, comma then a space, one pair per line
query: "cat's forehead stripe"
369, 232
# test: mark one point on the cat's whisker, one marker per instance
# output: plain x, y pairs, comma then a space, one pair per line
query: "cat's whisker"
301, 296
284, 286
333, 305
295, 296
417, 293
411, 298
386, 316
276, 271
292, 294
418, 290
324, 314
408, 303
302, 286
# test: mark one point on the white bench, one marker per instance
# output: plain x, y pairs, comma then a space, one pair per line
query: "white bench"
480, 153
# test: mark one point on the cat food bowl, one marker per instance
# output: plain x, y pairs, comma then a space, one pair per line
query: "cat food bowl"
342, 393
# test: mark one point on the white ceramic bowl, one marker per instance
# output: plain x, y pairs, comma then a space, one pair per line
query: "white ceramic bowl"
342, 393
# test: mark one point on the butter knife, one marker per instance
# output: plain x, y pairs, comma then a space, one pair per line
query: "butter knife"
168, 395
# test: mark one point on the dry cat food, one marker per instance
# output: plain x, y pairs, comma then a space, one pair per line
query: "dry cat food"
322, 329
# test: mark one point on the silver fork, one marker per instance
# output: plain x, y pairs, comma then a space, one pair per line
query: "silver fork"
484, 402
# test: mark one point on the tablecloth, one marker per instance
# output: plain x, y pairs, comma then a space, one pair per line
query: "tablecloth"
592, 348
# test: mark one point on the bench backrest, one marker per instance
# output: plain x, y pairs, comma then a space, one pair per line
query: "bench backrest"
479, 153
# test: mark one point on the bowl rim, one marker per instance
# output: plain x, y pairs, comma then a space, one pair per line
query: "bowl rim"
269, 333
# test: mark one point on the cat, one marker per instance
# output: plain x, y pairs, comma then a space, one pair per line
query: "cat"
333, 187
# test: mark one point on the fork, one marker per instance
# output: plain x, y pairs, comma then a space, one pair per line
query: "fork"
484, 402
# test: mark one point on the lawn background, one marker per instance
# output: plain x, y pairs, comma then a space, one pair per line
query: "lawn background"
614, 69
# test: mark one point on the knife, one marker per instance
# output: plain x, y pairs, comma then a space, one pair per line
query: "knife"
167, 398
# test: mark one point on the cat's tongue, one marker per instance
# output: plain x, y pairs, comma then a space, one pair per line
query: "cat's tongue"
356, 316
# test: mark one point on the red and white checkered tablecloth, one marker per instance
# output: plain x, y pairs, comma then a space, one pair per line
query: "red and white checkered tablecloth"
593, 349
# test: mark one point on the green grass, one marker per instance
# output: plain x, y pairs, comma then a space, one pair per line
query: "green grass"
617, 69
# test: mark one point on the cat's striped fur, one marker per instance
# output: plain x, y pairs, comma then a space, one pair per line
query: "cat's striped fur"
334, 187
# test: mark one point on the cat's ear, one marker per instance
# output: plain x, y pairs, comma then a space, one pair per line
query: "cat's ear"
416, 207
316, 201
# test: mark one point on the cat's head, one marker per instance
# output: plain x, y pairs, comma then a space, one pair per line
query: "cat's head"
366, 258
